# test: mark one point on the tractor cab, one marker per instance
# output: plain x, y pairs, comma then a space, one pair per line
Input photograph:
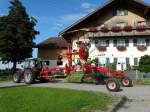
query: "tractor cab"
33, 63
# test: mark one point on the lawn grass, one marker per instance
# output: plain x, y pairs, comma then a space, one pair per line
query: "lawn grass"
6, 78
27, 99
141, 82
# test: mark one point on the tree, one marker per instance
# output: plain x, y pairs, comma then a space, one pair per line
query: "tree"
144, 64
17, 34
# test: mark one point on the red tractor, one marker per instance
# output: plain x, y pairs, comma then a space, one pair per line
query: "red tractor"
34, 69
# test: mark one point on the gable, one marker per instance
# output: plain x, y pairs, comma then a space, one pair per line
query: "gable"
138, 11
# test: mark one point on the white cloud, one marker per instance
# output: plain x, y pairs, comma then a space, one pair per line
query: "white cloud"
63, 21
86, 5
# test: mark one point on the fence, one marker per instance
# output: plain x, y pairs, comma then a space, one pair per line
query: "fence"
137, 75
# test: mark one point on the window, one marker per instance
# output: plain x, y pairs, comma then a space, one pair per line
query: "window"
121, 12
141, 42
120, 42
102, 42
141, 23
121, 24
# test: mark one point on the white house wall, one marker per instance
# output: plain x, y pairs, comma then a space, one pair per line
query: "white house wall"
112, 52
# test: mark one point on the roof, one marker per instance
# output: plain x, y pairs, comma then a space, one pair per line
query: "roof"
138, 2
53, 42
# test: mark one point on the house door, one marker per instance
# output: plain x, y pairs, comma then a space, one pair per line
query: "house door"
121, 64
102, 61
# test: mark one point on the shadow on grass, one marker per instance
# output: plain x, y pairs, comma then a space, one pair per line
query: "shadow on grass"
120, 104
13, 86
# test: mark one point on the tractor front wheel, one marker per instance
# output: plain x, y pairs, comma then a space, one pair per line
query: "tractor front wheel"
126, 82
17, 77
28, 77
112, 85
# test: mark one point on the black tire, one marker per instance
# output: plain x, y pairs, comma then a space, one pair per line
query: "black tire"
43, 80
16, 77
112, 85
29, 77
126, 82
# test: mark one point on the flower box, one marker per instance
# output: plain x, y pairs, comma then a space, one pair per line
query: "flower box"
93, 29
104, 29
121, 48
140, 27
141, 47
101, 48
116, 28
127, 28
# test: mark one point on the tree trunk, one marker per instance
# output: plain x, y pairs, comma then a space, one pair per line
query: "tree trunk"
14, 67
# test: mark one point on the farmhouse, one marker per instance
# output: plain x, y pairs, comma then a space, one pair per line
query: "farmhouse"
118, 32
51, 51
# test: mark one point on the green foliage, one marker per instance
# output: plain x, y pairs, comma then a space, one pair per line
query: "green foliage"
141, 82
144, 64
17, 34
94, 61
52, 100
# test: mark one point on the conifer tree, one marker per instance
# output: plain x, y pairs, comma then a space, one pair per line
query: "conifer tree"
17, 34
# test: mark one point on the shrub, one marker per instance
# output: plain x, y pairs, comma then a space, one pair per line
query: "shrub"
144, 64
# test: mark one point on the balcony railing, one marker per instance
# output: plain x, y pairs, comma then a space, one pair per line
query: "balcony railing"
119, 31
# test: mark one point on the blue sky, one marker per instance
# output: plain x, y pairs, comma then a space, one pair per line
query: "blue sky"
55, 15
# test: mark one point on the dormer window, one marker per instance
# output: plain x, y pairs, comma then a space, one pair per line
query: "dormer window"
141, 23
121, 12
121, 24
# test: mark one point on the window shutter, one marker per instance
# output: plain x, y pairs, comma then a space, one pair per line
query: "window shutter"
135, 61
107, 43
114, 11
115, 60
128, 62
115, 43
107, 62
126, 12
135, 42
148, 42
96, 41
127, 42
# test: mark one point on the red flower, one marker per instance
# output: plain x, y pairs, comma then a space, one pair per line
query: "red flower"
140, 27
121, 48
127, 28
93, 29
104, 29
141, 47
116, 28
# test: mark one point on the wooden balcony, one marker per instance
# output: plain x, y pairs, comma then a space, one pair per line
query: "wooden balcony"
133, 32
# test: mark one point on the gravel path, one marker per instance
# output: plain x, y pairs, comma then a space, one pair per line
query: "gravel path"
138, 96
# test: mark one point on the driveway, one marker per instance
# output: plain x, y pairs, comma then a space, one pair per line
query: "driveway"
138, 96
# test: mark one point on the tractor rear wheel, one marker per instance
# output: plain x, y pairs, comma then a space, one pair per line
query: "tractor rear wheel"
17, 77
29, 77
126, 82
43, 80
112, 85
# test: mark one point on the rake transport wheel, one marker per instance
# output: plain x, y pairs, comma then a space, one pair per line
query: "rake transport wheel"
126, 82
112, 85
28, 77
16, 77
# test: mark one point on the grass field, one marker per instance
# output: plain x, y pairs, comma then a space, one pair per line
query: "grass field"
26, 99
141, 82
